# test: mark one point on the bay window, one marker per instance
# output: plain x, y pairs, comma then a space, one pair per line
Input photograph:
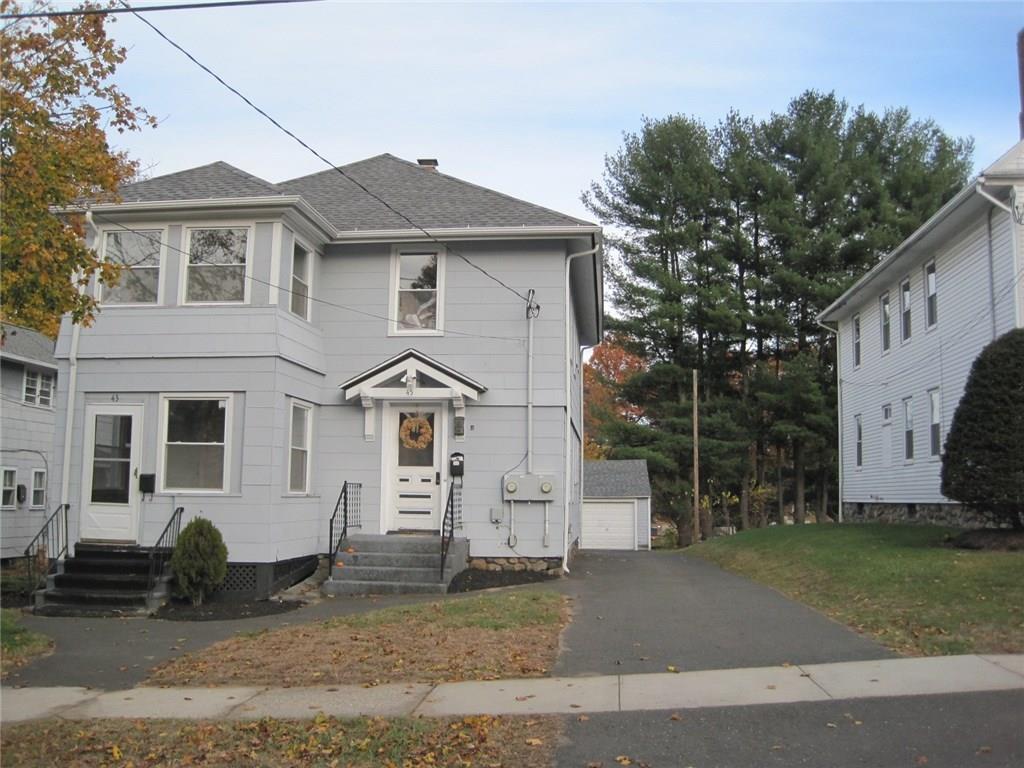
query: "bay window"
196, 431
138, 254
298, 455
301, 263
217, 265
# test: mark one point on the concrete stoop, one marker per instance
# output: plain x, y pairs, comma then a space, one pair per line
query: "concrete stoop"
395, 564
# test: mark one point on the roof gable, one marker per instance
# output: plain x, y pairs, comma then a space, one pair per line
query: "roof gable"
429, 199
1010, 164
624, 478
217, 180
425, 368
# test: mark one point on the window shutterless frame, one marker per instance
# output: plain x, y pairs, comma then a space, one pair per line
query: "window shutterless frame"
186, 257
931, 295
153, 231
37, 388
165, 400
885, 319
935, 422
299, 444
856, 341
396, 326
908, 429
9, 498
906, 299
38, 488
300, 299
858, 423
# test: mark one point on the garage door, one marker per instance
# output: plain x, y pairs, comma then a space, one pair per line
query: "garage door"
608, 525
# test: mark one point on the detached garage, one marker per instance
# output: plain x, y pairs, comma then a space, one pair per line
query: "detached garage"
616, 505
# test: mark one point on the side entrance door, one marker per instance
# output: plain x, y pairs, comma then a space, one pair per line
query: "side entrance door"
415, 437
110, 486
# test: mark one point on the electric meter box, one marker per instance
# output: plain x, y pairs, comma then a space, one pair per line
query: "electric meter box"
527, 487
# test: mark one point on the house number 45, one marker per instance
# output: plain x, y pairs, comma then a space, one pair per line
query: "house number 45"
114, 398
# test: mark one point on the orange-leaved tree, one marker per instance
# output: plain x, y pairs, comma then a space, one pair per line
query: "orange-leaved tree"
57, 102
610, 366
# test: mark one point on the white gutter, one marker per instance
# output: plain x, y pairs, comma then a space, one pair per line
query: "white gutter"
568, 405
463, 233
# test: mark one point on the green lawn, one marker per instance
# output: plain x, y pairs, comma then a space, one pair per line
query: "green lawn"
897, 583
18, 644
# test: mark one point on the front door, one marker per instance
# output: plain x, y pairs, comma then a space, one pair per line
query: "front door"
416, 477
110, 487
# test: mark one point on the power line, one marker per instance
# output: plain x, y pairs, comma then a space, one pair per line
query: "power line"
143, 233
323, 159
146, 9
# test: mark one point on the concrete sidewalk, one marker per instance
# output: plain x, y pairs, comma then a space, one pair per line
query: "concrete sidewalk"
885, 678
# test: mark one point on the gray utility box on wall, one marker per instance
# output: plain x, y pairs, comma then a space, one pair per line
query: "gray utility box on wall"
528, 487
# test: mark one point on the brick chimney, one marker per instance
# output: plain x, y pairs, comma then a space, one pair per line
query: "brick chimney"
430, 163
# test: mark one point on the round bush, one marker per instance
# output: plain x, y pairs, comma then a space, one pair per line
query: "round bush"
200, 560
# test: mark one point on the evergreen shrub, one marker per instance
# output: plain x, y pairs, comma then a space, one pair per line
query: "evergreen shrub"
200, 560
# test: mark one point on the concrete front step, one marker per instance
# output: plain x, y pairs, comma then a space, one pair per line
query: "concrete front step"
339, 588
395, 564
407, 543
384, 559
387, 573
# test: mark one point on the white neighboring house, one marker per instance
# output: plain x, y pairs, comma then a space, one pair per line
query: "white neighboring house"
908, 333
28, 380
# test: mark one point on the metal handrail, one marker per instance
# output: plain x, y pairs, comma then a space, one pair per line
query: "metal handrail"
345, 513
40, 549
161, 552
447, 528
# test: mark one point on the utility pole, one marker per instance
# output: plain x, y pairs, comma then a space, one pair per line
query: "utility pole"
696, 465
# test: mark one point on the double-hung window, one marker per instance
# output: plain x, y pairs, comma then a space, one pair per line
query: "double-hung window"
38, 388
196, 434
856, 341
301, 264
38, 488
217, 265
417, 291
908, 429
935, 419
10, 487
883, 304
860, 440
298, 456
137, 252
931, 294
905, 310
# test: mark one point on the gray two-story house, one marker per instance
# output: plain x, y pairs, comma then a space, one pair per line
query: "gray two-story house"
28, 388
908, 333
268, 344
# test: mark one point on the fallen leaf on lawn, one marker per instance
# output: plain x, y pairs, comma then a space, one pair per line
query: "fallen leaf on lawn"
776, 747
921, 760
623, 760
534, 742
115, 752
670, 668
595, 764
984, 750
583, 718
675, 716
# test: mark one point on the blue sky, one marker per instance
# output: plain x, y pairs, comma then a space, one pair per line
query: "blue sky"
528, 99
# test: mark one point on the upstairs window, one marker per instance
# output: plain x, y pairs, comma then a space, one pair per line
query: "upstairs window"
138, 253
217, 265
38, 388
935, 427
300, 282
908, 429
886, 322
905, 310
931, 304
417, 291
856, 341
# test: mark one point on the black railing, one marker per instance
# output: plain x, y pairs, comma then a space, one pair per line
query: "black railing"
161, 552
447, 527
48, 548
346, 515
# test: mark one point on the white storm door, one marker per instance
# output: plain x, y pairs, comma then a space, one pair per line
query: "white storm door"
110, 485
416, 480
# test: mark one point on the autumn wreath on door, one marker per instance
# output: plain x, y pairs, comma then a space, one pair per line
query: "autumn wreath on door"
416, 432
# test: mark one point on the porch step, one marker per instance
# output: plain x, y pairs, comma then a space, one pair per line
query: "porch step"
90, 580
394, 564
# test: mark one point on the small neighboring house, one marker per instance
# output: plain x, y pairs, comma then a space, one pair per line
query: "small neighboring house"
616, 505
269, 345
908, 333
28, 387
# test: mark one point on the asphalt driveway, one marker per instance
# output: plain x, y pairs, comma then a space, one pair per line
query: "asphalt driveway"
637, 612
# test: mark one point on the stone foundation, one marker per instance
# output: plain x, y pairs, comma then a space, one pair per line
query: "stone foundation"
536, 564
951, 515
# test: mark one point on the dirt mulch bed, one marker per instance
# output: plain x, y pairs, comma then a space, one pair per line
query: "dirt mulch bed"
472, 579
360, 743
991, 539
224, 610
483, 637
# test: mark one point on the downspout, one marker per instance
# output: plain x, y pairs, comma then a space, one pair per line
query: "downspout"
531, 315
991, 256
69, 416
569, 317
839, 416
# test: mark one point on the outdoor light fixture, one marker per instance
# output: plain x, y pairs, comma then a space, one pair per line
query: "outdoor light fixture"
1016, 206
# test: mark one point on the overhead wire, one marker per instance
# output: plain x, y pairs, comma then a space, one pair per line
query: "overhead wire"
146, 8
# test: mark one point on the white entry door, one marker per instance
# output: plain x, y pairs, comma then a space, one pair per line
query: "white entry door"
415, 437
110, 485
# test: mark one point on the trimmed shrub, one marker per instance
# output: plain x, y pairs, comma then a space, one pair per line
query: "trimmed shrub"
983, 461
200, 560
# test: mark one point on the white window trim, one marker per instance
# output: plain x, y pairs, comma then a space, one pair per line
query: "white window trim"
12, 488
889, 419
906, 328
858, 341
933, 419
183, 263
160, 281
24, 387
858, 443
908, 409
884, 300
924, 271
298, 242
308, 447
394, 328
36, 471
229, 407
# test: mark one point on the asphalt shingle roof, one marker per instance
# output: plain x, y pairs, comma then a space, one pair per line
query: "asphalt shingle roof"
428, 198
619, 479
28, 344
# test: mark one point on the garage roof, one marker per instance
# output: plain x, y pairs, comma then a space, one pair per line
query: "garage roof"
621, 479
